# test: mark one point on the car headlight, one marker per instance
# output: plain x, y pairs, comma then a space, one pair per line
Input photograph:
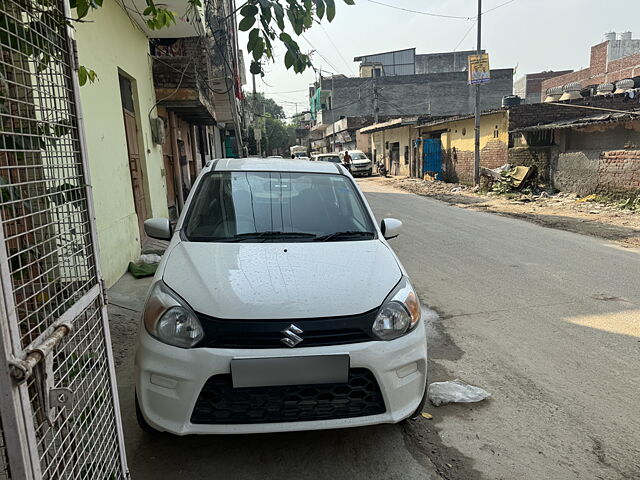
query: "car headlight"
399, 314
169, 319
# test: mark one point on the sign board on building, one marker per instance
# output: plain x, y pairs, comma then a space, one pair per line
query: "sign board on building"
479, 69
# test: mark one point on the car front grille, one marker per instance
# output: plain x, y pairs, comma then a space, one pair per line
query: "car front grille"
221, 404
316, 332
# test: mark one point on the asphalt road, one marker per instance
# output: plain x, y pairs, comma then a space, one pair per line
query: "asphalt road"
545, 320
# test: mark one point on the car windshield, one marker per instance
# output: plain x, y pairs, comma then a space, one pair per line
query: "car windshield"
358, 156
276, 207
330, 158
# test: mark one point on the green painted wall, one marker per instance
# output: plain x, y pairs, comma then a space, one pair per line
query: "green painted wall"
110, 45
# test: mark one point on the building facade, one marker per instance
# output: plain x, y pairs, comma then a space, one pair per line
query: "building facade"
617, 58
125, 164
528, 87
407, 62
436, 94
163, 104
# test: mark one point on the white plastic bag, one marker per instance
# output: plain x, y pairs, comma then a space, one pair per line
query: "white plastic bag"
150, 258
455, 391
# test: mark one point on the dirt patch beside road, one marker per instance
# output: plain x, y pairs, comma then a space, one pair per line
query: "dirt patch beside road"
563, 211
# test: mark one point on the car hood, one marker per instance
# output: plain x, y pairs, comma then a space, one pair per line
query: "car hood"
360, 162
282, 280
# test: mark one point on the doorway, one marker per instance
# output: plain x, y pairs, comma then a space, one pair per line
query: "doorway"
394, 155
133, 151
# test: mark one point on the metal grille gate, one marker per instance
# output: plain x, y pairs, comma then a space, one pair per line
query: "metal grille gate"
59, 409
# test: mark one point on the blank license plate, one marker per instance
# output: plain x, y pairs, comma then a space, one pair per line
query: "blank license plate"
267, 372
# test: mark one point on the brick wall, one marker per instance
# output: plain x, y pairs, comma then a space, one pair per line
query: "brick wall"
599, 71
598, 63
619, 171
459, 163
538, 157
579, 76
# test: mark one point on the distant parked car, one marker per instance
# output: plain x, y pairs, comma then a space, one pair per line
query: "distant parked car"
360, 163
327, 157
301, 156
278, 306
275, 156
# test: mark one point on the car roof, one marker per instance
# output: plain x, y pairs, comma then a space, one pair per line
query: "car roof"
270, 165
326, 155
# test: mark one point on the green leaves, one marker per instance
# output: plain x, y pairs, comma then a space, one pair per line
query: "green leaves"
160, 17
84, 6
331, 10
246, 23
267, 21
85, 74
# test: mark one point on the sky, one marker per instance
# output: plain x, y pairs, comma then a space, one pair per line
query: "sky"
532, 35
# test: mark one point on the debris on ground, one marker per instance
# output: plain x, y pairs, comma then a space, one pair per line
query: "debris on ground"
426, 415
150, 258
455, 391
141, 270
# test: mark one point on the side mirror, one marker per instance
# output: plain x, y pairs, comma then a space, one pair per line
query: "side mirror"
159, 228
390, 228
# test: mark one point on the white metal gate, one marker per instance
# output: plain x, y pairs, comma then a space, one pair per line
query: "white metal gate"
59, 412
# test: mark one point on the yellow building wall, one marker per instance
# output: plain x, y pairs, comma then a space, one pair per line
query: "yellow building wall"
458, 145
461, 134
110, 44
402, 135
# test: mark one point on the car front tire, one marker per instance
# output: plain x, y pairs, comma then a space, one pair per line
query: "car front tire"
369, 173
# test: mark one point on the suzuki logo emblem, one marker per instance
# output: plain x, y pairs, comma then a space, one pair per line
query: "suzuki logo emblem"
291, 336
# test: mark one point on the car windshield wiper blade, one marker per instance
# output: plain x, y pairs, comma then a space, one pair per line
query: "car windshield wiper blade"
343, 235
267, 235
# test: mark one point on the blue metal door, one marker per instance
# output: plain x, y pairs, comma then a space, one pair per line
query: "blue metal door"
432, 158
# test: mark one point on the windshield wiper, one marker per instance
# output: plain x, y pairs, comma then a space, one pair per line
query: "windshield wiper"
241, 237
343, 235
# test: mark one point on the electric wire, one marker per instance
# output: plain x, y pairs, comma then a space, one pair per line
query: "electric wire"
349, 68
465, 35
319, 53
430, 14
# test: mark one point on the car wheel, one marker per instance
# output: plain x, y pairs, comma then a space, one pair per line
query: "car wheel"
142, 422
369, 173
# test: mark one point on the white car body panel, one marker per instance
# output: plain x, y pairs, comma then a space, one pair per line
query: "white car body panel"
282, 280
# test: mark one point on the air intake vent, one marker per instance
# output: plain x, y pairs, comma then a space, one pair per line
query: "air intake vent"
624, 85
605, 89
571, 91
553, 94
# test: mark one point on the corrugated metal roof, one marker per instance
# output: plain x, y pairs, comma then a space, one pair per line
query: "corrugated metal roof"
395, 123
457, 118
583, 122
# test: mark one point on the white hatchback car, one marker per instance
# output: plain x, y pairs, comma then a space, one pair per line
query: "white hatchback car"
278, 306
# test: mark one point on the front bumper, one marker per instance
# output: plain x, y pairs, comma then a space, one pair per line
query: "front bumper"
363, 168
169, 381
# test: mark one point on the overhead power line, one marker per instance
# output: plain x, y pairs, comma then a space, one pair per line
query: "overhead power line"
430, 14
349, 68
498, 6
319, 53
439, 15
465, 35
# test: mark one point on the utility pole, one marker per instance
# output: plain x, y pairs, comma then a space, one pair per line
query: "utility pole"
476, 163
256, 120
333, 121
375, 100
